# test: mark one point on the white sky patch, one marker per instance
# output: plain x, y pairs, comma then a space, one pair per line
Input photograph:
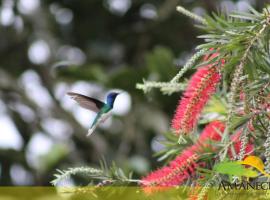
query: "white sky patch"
199, 11
71, 54
212, 116
119, 6
6, 16
20, 176
62, 185
156, 145
148, 11
107, 124
39, 145
28, 6
60, 90
243, 6
84, 117
85, 88
39, 52
26, 112
227, 5
57, 128
63, 16
122, 104
34, 90
9, 135
67, 103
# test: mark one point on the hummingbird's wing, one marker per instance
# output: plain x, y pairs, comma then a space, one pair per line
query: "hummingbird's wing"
87, 102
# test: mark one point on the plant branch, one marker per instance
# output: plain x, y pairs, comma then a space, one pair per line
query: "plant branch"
146, 86
188, 65
191, 15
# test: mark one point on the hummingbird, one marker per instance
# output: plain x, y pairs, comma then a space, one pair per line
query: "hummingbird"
102, 109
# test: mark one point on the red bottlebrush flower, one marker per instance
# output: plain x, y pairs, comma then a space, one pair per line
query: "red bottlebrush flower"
215, 136
201, 86
211, 56
174, 174
184, 165
212, 131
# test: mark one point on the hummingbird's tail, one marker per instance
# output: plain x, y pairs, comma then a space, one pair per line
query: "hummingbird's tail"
91, 130
94, 125
100, 118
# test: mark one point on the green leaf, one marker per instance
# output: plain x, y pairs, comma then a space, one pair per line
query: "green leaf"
234, 168
238, 121
245, 16
216, 105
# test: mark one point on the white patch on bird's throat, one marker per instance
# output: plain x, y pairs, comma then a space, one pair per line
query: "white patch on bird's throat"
105, 116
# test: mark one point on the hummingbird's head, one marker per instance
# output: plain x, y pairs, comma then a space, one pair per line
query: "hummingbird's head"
111, 98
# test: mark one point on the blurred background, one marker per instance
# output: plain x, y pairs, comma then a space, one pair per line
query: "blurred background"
50, 47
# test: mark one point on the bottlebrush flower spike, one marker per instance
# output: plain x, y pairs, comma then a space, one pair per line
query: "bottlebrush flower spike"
213, 135
176, 173
201, 86
194, 194
183, 166
212, 131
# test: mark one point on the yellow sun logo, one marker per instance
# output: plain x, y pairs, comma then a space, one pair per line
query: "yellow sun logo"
237, 168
